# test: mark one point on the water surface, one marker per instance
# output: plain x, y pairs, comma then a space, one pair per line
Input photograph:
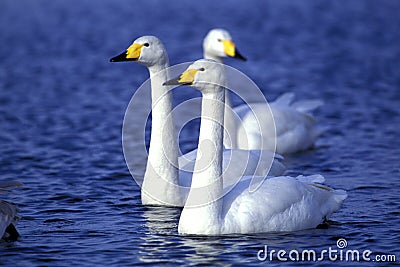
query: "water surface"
62, 106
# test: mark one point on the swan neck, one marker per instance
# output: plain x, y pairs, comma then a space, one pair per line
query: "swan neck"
210, 146
204, 203
163, 141
161, 177
212, 56
160, 66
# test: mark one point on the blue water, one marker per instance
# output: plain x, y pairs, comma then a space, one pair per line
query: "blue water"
62, 106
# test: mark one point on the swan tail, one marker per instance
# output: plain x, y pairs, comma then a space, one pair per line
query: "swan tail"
319, 130
331, 199
316, 180
311, 179
307, 106
285, 99
335, 202
339, 195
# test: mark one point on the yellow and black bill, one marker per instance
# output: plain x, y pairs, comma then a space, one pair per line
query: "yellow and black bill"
231, 50
131, 54
186, 78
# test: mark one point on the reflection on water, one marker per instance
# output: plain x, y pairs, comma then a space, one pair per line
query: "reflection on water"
161, 220
161, 223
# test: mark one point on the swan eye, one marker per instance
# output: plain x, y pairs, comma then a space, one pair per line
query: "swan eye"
146, 44
202, 69
219, 40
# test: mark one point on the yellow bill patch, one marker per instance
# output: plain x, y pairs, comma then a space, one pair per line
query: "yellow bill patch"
134, 51
187, 76
229, 47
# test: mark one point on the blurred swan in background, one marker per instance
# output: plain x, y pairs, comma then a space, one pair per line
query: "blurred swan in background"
163, 183
279, 204
249, 125
8, 212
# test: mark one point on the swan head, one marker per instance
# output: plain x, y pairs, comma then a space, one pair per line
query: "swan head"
146, 50
203, 74
218, 44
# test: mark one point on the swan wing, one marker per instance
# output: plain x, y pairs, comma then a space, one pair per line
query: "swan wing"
280, 204
288, 127
305, 106
285, 99
294, 130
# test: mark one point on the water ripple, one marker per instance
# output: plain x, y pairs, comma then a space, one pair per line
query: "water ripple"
62, 105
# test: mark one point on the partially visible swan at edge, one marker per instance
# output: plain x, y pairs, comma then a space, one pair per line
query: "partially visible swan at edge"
296, 128
279, 204
163, 183
8, 212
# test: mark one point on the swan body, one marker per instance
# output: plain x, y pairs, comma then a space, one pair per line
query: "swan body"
295, 128
163, 183
280, 204
8, 211
288, 204
253, 128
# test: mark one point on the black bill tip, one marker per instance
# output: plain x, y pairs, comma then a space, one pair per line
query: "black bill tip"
121, 58
239, 56
175, 81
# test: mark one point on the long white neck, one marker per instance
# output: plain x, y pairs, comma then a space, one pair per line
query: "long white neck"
203, 207
161, 179
229, 121
208, 55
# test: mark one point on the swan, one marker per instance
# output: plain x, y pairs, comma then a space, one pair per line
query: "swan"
164, 183
8, 212
280, 204
251, 127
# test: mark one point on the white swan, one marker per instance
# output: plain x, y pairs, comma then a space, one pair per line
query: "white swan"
279, 204
8, 212
296, 128
163, 183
